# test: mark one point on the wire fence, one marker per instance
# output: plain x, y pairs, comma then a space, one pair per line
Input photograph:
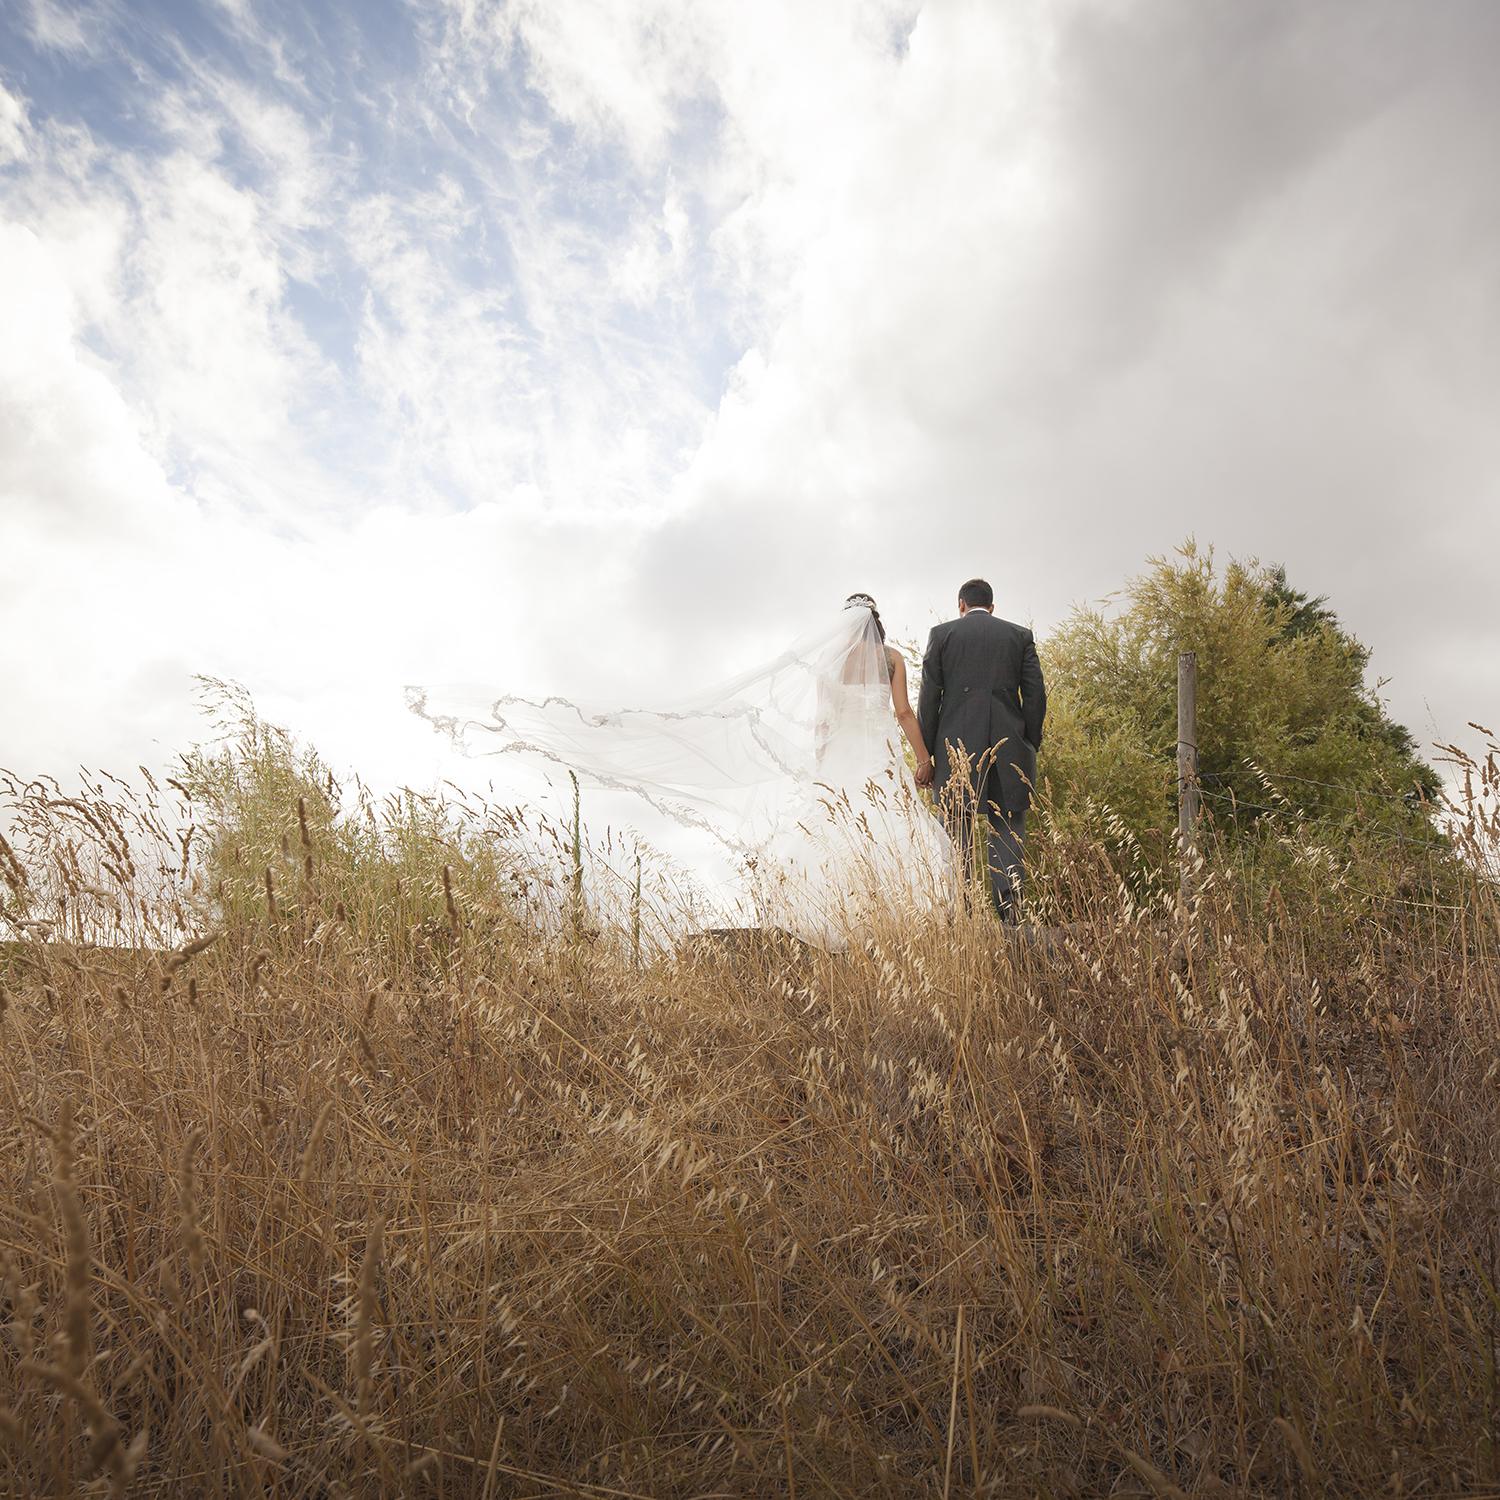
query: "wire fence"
1213, 785
1416, 797
1351, 818
1299, 814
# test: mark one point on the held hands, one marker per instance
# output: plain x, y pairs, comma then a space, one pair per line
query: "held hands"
924, 772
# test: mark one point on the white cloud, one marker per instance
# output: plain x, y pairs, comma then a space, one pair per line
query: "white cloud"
69, 447
120, 587
611, 343
68, 29
617, 72
14, 128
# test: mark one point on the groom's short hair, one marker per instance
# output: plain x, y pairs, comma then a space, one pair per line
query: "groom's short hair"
977, 594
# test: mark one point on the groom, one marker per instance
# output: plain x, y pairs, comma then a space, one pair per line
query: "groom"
982, 702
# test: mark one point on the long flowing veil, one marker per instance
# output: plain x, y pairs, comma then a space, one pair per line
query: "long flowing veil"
738, 760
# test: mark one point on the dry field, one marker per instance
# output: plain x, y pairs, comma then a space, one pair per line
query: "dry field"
404, 1186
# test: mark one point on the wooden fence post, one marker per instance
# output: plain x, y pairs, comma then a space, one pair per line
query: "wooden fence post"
1187, 767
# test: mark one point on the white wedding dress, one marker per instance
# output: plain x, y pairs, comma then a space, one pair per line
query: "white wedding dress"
795, 766
863, 850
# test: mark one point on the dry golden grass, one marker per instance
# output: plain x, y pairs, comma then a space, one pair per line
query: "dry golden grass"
485, 1208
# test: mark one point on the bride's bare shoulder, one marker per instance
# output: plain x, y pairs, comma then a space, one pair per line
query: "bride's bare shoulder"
895, 663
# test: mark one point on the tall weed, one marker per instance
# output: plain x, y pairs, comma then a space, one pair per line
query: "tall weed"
359, 1189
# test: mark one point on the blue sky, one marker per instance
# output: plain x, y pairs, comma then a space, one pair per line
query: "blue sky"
600, 347
410, 196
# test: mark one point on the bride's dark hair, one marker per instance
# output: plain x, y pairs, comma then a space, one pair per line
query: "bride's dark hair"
856, 600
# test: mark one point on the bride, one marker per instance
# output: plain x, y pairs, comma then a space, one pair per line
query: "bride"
795, 766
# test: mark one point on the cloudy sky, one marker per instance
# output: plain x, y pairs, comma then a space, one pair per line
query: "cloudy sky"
603, 347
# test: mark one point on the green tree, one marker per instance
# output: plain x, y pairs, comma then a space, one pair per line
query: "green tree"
1287, 727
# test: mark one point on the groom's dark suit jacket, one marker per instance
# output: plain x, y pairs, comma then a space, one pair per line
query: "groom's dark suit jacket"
982, 687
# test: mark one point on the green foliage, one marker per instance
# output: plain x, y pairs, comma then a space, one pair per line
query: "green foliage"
277, 845
1288, 732
1299, 614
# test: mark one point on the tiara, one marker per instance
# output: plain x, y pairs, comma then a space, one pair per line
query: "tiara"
859, 601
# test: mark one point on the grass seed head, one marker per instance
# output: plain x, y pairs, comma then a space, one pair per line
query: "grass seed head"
315, 1141
23, 1307
448, 901
187, 1200
366, 1311
264, 1444
78, 1313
